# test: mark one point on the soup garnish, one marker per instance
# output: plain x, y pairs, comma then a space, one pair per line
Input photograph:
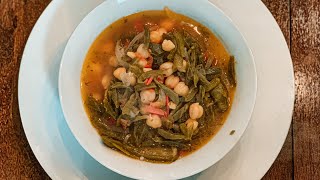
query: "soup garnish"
157, 85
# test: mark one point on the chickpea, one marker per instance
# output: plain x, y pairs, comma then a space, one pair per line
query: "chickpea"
192, 124
143, 52
113, 61
167, 45
106, 81
154, 121
128, 79
172, 105
181, 89
161, 102
142, 62
195, 111
157, 104
155, 37
172, 81
132, 55
118, 72
147, 96
184, 67
133, 79
167, 68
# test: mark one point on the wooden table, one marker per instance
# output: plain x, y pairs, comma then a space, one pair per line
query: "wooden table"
300, 23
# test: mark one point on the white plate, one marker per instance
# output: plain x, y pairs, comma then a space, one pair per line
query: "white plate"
87, 136
63, 158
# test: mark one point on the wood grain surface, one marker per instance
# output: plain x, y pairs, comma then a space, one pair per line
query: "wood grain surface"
305, 51
300, 23
17, 17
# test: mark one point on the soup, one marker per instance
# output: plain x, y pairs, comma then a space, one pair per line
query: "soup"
157, 85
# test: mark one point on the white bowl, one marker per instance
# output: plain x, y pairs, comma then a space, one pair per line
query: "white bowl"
70, 96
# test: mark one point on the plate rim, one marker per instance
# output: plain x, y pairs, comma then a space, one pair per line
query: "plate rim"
23, 61
28, 135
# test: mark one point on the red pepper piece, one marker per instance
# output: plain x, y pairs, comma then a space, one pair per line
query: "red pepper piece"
153, 110
149, 81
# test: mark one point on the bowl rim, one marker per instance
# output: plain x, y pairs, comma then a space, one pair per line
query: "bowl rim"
141, 177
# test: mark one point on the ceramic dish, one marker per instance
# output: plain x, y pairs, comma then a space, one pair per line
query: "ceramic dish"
214, 150
63, 158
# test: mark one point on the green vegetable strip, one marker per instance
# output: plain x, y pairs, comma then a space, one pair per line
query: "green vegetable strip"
168, 135
190, 74
202, 92
183, 129
118, 85
167, 123
122, 149
104, 129
193, 58
142, 86
109, 108
179, 145
178, 115
106, 141
123, 98
96, 108
129, 105
140, 118
134, 41
149, 74
172, 53
115, 98
231, 71
142, 134
202, 78
213, 71
111, 134
156, 49
118, 145
195, 80
209, 63
175, 144
175, 110
136, 70
151, 153
180, 43
135, 132
219, 95
187, 39
191, 94
214, 83
221, 101
188, 132
178, 63
172, 95
221, 89
146, 37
